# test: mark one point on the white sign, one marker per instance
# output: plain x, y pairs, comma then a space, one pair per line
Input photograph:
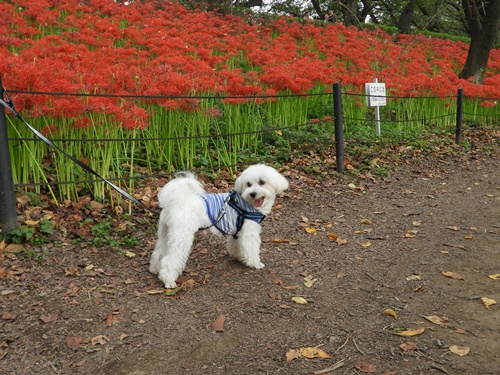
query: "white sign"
375, 94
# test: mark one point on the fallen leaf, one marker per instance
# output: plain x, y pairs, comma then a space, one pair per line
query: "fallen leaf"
3, 273
341, 275
341, 241
391, 312
453, 275
310, 230
468, 237
453, 228
292, 354
313, 353
438, 320
417, 223
99, 340
172, 292
410, 332
367, 368
299, 300
414, 277
48, 318
155, 291
9, 315
460, 331
366, 222
6, 292
495, 276
309, 281
459, 350
332, 236
74, 342
218, 324
408, 346
488, 302
111, 319
123, 336
366, 244
129, 254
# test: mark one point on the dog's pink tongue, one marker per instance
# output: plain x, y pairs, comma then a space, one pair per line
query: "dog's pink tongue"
259, 202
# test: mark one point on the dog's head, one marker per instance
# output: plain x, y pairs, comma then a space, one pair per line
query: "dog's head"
259, 184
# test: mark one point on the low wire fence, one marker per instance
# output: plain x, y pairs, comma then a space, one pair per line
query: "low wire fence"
210, 133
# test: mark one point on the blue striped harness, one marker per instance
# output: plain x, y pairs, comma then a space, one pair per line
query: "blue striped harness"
228, 212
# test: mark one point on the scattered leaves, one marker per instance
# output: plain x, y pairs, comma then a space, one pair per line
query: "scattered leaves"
453, 275
459, 350
218, 324
366, 367
49, 318
410, 332
306, 353
310, 230
74, 342
442, 321
391, 312
309, 281
406, 346
488, 302
299, 300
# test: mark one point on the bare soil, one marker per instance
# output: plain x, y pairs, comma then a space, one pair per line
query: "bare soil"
380, 243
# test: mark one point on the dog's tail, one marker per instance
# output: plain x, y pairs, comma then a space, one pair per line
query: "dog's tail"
184, 184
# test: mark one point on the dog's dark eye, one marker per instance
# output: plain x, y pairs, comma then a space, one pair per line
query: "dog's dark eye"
249, 184
261, 182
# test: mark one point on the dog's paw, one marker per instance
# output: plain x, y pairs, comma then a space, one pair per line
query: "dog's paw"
257, 266
169, 283
154, 269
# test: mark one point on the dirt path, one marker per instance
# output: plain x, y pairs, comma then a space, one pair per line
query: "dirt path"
86, 310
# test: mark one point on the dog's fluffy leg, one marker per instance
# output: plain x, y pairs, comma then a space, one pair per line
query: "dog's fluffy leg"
160, 249
175, 256
246, 248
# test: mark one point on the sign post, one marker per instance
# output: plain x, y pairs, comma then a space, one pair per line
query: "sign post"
375, 97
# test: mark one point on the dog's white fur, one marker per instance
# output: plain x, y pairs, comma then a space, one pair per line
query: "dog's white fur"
184, 212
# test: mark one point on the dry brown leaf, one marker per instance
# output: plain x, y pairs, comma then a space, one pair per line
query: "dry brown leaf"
74, 342
408, 346
453, 275
459, 350
155, 291
332, 236
292, 354
7, 315
438, 320
365, 367
313, 353
495, 276
299, 300
366, 244
410, 332
366, 222
341, 241
453, 228
48, 318
111, 319
487, 302
99, 340
310, 230
218, 324
391, 312
309, 281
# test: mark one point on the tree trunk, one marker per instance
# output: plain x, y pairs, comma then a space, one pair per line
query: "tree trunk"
483, 34
406, 17
350, 12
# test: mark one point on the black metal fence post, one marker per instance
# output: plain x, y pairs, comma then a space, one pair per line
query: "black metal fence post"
460, 113
8, 214
339, 125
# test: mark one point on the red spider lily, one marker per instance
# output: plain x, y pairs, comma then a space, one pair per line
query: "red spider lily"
152, 48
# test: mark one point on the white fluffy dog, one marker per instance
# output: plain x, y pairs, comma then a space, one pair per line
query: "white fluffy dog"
186, 208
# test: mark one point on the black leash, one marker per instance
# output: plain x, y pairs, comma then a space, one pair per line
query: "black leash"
10, 106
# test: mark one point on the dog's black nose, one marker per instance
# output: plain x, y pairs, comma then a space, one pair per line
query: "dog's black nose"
253, 195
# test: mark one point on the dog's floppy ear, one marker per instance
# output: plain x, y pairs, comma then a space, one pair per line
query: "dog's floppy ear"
278, 182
